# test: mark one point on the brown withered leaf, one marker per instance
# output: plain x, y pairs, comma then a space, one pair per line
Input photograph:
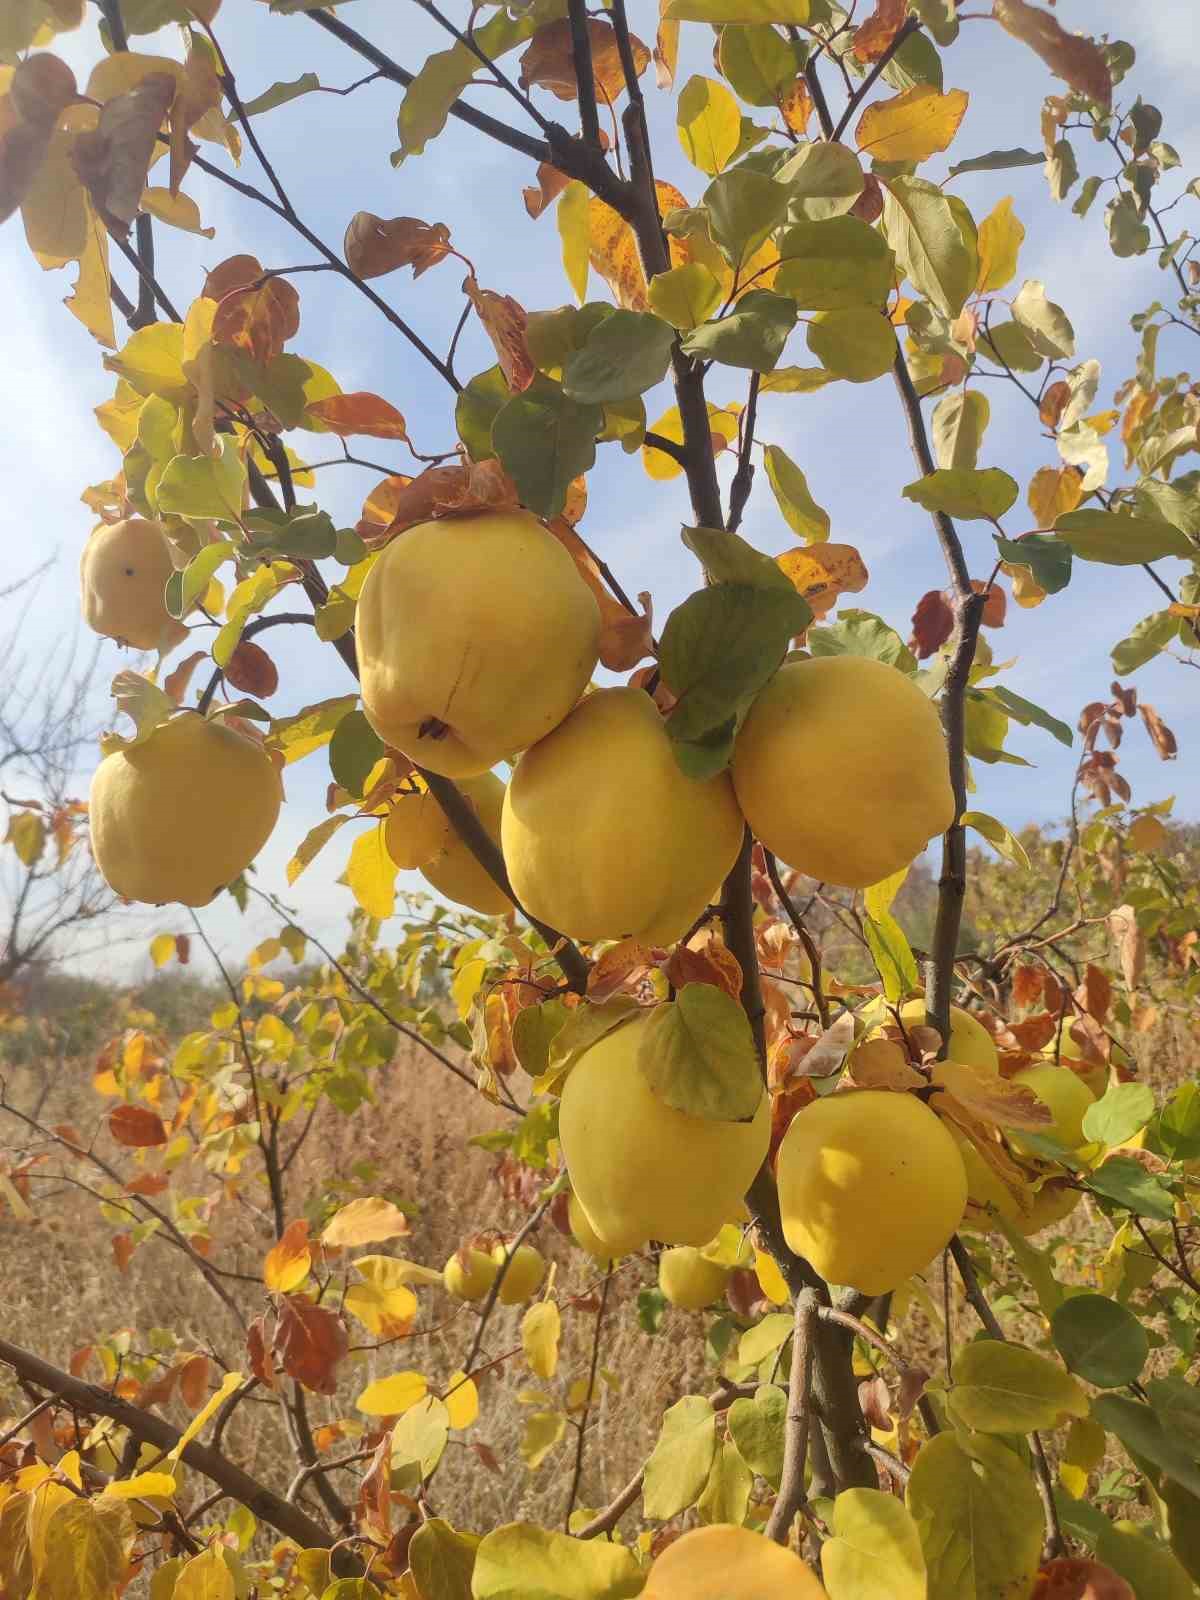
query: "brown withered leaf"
1027, 981
122, 1251
550, 184
868, 207
625, 637
160, 1388
504, 321
1079, 1578
193, 1382
1095, 993
1125, 698
112, 159
487, 1456
1163, 739
872, 37
360, 412
136, 1127
149, 1183
823, 572
380, 507
374, 1509
258, 1352
42, 86
373, 246
549, 60
828, 1050
613, 249
22, 149
1034, 1032
991, 1098
310, 1341
995, 607
259, 318
620, 967
1130, 942
1054, 402
785, 1105
666, 49
712, 964
176, 682
995, 1154
235, 272
1070, 56
932, 623
882, 1064
437, 492
1099, 776
199, 92
875, 1402
251, 670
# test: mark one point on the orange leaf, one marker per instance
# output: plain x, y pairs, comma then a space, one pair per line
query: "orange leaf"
822, 572
381, 505
872, 37
1072, 57
932, 624
991, 1098
625, 963
136, 1127
193, 1382
504, 322
436, 492
261, 1364
712, 964
1052, 492
1078, 1578
373, 246
259, 319
995, 606
346, 414
796, 106
251, 670
310, 1341
549, 61
550, 184
148, 1183
288, 1262
625, 637
613, 251
122, 1249
235, 272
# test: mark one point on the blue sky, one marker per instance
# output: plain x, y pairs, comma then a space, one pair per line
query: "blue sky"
332, 154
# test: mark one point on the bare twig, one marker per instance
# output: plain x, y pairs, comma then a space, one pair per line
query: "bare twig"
795, 1440
582, 1420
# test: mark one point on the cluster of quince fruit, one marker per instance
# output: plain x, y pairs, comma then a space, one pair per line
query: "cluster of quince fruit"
472, 1270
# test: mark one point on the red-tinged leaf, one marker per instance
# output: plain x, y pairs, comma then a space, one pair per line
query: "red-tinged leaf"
148, 1183
622, 966
549, 61
712, 964
122, 1249
183, 948
875, 1402
161, 1387
259, 318
258, 1352
1078, 1578
437, 492
1072, 57
80, 1360
784, 1106
933, 623
113, 158
251, 670
487, 1456
550, 184
1161, 736
995, 607
193, 1382
1034, 1032
1054, 402
348, 414
288, 1262
176, 682
235, 272
375, 1493
373, 246
868, 207
909, 1390
136, 1127
310, 1341
872, 37
504, 322
1097, 992
1027, 984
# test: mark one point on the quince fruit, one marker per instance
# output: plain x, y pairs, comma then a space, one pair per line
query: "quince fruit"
469, 1274
454, 871
871, 1187
724, 1562
689, 1280
476, 635
182, 813
641, 1169
585, 1236
123, 573
841, 769
604, 836
1068, 1098
524, 1276
970, 1042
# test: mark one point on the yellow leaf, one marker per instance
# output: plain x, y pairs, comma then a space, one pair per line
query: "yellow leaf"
713, 1563
366, 1221
27, 835
770, 1279
391, 1272
822, 572
662, 467
462, 1400
54, 207
875, 1553
178, 210
144, 1486
540, 1328
205, 1577
89, 300
571, 215
118, 73
288, 1262
314, 842
87, 1548
543, 1430
709, 124
162, 948
911, 126
371, 874
613, 248
392, 1396
1000, 236
880, 895
382, 1311
1053, 491
119, 416
230, 1382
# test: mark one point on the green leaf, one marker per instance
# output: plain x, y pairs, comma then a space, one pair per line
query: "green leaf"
959, 420
685, 296
892, 955
858, 344
1121, 541
1002, 839
757, 1427
861, 633
1046, 325
1062, 169
727, 558
475, 410
1005, 1388
875, 1552
800, 511
651, 1309
916, 61
682, 1458
765, 1337
739, 11
1146, 1435
709, 124
726, 1496
998, 161
720, 646
1046, 556
1087, 194
705, 755
697, 1054
752, 335
758, 62
445, 74
1123, 1110
544, 439
1128, 235
1172, 502
823, 180
420, 1435
200, 487
307, 730
1027, 714
1126, 1182
186, 587
280, 93
1008, 345
743, 207
831, 265
1176, 1130
1148, 1567
353, 752
534, 1030
922, 227
987, 728
442, 1560
1148, 639
940, 17
522, 1562
795, 380
624, 355
151, 361
1100, 1340
976, 495
978, 1516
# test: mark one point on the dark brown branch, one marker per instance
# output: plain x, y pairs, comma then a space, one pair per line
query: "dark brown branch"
795, 1440
906, 29
655, 441
743, 478
802, 933
585, 82
605, 1521
468, 41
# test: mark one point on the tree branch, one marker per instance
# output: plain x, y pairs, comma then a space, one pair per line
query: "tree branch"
581, 1421
743, 478
906, 29
795, 1439
585, 82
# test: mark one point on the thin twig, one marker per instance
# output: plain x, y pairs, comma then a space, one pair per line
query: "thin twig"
743, 478
582, 1420
802, 933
